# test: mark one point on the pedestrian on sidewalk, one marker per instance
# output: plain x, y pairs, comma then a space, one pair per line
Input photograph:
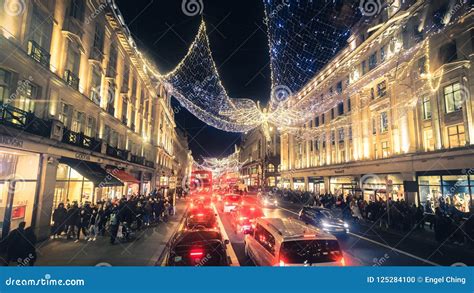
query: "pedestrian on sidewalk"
84, 219
29, 249
94, 225
59, 219
114, 225
14, 242
72, 218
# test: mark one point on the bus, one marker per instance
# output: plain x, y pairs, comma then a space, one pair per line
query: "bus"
201, 182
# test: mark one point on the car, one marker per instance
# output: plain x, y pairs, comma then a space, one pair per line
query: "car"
231, 201
197, 248
244, 218
200, 218
324, 219
290, 242
267, 200
200, 201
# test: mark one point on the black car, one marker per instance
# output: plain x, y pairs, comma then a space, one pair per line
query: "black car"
201, 219
198, 248
324, 219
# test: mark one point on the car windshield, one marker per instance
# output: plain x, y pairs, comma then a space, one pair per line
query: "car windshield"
310, 251
325, 214
206, 219
200, 236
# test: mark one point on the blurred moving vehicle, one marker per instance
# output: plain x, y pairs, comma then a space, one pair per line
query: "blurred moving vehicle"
200, 183
324, 219
267, 199
204, 218
200, 202
197, 248
244, 218
231, 202
290, 242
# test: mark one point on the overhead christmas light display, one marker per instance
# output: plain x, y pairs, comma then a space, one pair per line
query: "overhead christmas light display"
221, 166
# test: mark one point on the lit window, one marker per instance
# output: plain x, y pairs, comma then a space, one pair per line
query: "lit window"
428, 140
453, 98
382, 89
271, 168
383, 122
456, 136
385, 149
426, 108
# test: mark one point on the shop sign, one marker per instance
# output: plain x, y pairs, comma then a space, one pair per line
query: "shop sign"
83, 157
11, 141
339, 172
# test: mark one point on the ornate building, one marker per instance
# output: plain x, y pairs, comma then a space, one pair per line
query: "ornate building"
396, 114
81, 120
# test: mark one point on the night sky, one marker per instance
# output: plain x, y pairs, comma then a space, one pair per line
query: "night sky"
240, 49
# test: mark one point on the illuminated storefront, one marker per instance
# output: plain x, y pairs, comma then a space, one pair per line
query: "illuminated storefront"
18, 188
80, 181
342, 185
298, 184
316, 185
382, 187
448, 190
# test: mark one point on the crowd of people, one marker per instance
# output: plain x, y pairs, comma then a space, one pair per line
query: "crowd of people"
447, 223
118, 219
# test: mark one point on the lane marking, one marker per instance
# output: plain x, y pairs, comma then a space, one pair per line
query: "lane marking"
230, 249
396, 249
381, 244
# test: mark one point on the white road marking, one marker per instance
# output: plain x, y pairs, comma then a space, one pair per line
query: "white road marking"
395, 249
230, 249
383, 245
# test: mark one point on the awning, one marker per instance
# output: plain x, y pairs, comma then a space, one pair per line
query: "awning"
123, 176
93, 172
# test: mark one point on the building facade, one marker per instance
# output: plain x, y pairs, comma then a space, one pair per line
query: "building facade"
396, 114
81, 120
260, 158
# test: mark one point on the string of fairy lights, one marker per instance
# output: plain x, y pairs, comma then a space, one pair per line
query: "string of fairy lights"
220, 166
304, 37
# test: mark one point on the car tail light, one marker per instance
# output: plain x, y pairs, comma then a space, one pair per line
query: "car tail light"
243, 218
196, 253
252, 209
226, 203
281, 263
343, 262
200, 215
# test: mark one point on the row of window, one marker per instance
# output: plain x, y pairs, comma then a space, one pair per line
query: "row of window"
453, 97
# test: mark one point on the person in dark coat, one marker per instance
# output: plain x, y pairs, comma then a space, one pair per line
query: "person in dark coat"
14, 243
72, 218
84, 219
29, 249
59, 219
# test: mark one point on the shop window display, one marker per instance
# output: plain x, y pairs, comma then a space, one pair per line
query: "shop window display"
446, 192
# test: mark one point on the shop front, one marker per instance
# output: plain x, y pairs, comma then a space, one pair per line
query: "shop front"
382, 186
82, 181
298, 184
445, 190
19, 173
316, 185
285, 183
342, 185
131, 183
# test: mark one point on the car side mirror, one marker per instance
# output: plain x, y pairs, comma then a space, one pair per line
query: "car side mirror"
226, 242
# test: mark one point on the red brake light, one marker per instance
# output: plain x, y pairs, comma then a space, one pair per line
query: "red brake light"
226, 203
196, 253
343, 262
252, 209
200, 215
243, 218
282, 263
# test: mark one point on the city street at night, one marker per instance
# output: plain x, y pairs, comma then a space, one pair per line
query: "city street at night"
137, 137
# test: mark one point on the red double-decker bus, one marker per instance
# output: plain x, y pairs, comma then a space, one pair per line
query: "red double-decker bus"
201, 182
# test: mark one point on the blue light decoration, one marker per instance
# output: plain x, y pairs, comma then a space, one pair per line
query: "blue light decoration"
304, 35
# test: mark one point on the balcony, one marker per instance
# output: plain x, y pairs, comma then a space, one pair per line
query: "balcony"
81, 140
150, 164
38, 54
22, 120
96, 54
132, 126
71, 79
124, 120
117, 153
137, 159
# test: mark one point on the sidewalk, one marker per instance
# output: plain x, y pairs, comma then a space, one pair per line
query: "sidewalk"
144, 251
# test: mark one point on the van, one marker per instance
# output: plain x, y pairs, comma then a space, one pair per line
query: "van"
290, 242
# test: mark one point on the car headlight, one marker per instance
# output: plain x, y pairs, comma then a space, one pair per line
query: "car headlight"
265, 201
325, 224
275, 202
346, 225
